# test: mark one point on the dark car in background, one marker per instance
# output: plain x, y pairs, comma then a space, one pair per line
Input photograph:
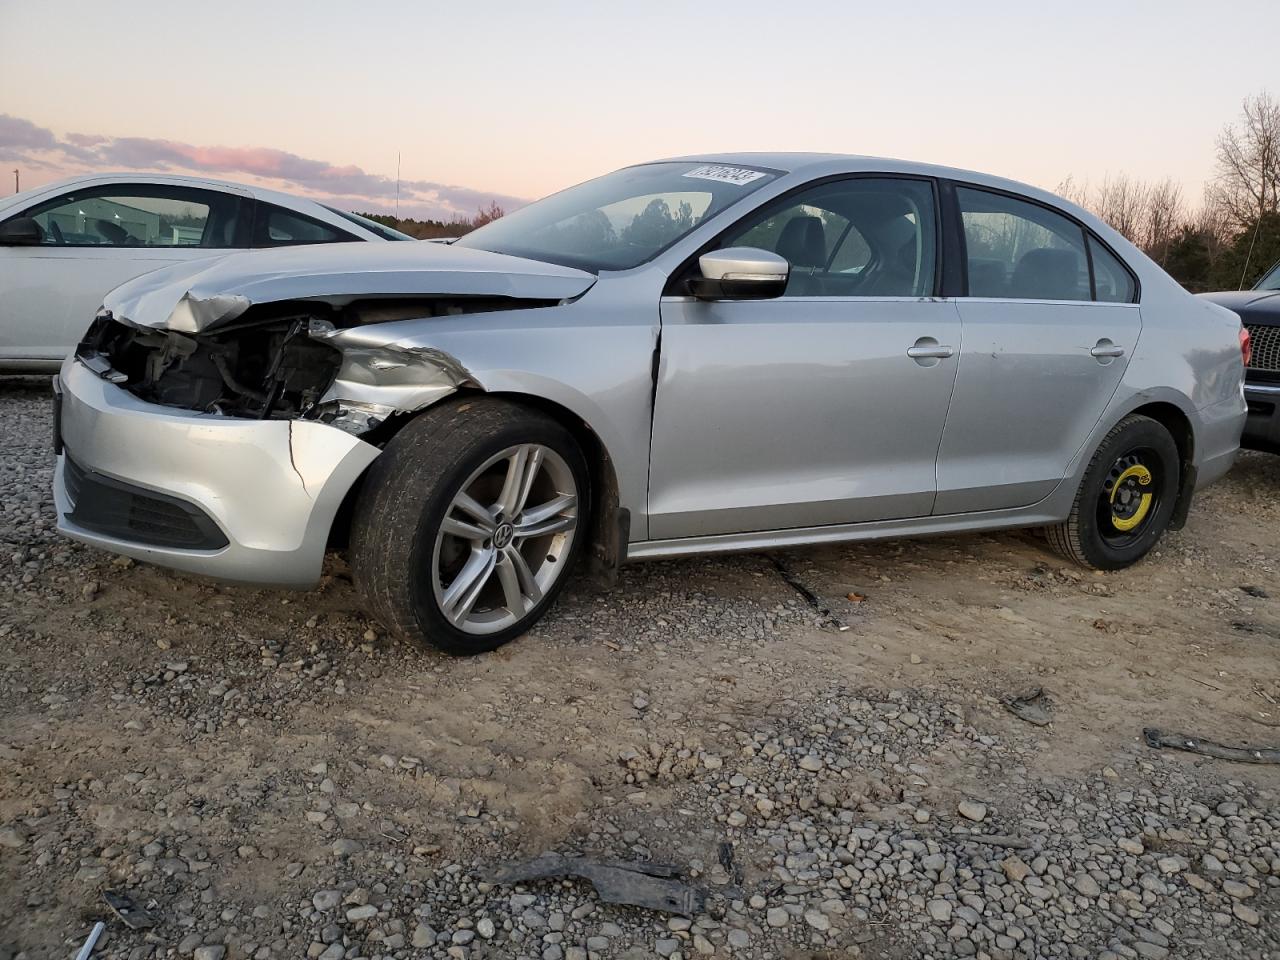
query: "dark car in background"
1259, 311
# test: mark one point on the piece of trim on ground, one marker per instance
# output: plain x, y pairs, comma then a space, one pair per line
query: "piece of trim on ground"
1207, 748
636, 884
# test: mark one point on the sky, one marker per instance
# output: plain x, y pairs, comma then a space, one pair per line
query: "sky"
508, 101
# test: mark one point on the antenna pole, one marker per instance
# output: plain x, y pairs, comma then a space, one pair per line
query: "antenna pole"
397, 184
16, 188
1249, 256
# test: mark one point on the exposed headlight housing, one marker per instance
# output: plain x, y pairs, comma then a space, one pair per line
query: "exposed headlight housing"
354, 417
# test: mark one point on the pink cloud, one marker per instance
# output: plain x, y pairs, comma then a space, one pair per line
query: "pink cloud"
85, 139
23, 141
17, 134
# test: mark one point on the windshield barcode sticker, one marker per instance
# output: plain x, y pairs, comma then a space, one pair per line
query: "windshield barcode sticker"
711, 171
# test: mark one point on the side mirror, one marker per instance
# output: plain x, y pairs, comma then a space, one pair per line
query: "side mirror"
740, 273
20, 232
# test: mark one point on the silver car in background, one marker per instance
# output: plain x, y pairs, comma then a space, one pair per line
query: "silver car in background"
66, 244
706, 354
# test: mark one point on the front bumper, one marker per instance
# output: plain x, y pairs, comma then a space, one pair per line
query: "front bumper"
1262, 427
271, 488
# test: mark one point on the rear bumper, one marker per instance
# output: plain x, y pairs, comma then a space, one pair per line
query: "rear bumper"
1218, 439
1262, 428
263, 493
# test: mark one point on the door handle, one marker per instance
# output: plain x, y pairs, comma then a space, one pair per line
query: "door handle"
927, 348
1104, 349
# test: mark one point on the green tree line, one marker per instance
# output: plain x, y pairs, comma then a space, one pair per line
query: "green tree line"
433, 229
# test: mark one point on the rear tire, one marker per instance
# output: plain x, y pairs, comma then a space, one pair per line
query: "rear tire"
1126, 499
468, 523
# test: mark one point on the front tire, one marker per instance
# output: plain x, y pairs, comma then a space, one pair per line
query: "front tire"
1124, 503
468, 523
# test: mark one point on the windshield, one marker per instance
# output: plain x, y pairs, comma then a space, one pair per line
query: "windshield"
381, 229
620, 220
1271, 281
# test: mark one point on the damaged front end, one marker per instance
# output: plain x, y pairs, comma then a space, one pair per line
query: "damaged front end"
274, 368
304, 360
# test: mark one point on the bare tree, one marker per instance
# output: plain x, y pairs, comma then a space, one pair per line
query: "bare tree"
1163, 216
1122, 202
1247, 184
1211, 219
1150, 215
1077, 193
487, 214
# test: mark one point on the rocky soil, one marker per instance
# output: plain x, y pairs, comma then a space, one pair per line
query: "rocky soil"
273, 777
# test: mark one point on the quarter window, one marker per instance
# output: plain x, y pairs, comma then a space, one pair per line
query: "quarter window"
139, 215
1112, 283
861, 237
1021, 250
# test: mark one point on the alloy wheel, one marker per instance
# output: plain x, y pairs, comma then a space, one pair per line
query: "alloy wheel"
505, 539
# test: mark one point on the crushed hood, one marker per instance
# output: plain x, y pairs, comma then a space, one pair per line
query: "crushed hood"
198, 295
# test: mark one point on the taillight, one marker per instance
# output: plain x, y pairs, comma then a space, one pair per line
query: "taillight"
1246, 345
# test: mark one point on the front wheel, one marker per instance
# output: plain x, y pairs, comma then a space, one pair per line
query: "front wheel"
468, 524
1126, 499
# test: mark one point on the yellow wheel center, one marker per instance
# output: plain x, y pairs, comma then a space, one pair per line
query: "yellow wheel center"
1141, 476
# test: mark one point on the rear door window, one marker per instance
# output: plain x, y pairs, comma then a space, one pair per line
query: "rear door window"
1020, 250
277, 227
381, 229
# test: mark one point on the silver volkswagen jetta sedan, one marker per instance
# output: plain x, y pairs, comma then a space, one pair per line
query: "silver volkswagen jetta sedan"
705, 354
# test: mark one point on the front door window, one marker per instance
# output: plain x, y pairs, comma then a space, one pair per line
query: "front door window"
141, 215
860, 237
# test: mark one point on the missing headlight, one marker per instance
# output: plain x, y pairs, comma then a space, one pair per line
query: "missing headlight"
271, 368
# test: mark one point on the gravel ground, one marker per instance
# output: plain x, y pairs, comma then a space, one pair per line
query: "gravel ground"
275, 778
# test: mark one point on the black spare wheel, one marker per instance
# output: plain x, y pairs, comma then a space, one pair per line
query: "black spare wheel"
1127, 497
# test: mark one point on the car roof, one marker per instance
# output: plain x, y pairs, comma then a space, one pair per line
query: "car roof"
169, 178
814, 165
